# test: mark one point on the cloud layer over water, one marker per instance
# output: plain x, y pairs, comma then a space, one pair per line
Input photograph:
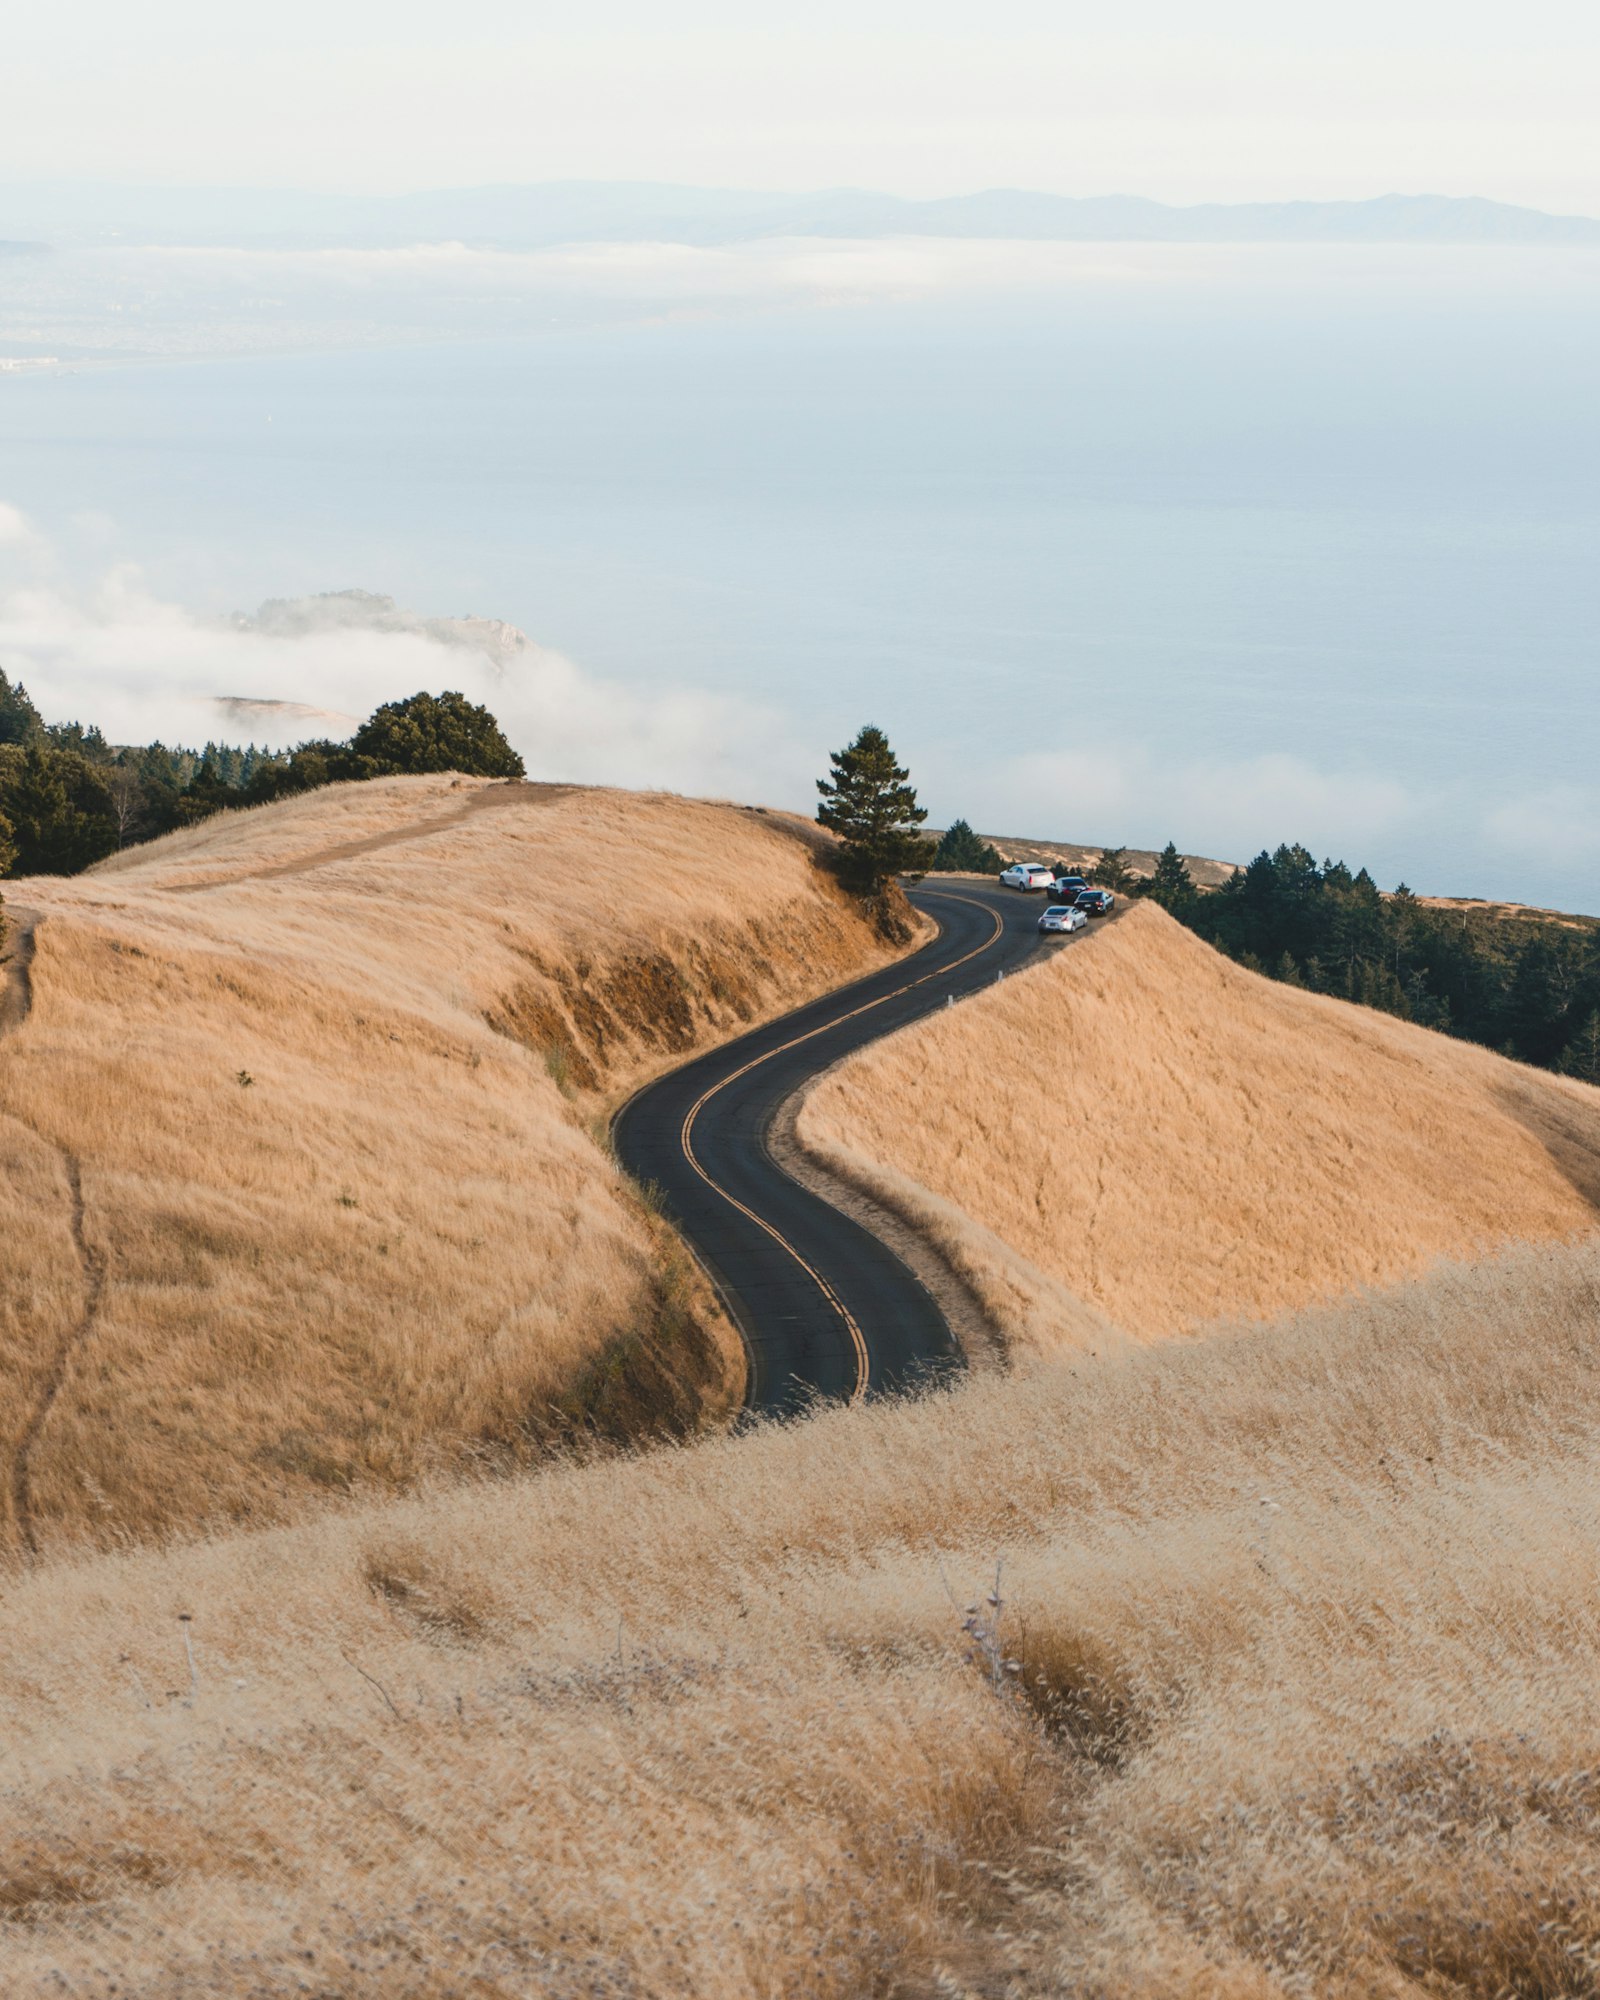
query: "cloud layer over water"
141, 667
118, 654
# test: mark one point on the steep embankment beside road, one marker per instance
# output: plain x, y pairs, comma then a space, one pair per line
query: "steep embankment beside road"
298, 1166
1141, 1132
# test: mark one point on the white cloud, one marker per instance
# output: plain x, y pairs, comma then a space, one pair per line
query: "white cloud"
1555, 828
1227, 809
141, 667
16, 532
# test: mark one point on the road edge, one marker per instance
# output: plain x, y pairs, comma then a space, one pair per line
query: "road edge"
975, 1329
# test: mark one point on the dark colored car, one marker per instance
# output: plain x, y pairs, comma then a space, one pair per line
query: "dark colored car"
1095, 902
1068, 888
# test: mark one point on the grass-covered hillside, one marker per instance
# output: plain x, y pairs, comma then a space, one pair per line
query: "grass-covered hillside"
1291, 1689
1141, 1131
301, 1159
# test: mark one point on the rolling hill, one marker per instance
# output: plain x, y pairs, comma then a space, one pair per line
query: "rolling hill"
303, 1183
1155, 1663
1143, 1133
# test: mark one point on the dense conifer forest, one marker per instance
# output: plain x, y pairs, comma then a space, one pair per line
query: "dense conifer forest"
1524, 982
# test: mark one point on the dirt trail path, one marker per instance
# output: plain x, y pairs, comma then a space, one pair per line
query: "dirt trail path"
16, 1002
515, 793
93, 1263
16, 966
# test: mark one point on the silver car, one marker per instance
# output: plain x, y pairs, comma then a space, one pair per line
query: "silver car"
1061, 917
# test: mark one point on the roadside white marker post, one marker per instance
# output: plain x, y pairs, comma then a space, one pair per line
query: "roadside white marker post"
186, 1619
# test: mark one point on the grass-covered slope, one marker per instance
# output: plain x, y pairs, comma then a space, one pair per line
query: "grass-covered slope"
1143, 1132
299, 1165
1305, 1699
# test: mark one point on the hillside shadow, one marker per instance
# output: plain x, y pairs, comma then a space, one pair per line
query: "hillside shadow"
1567, 1128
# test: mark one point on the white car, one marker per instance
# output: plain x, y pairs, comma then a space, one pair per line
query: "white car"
1062, 917
1028, 875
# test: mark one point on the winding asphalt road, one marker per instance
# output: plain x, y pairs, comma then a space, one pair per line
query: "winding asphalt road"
824, 1307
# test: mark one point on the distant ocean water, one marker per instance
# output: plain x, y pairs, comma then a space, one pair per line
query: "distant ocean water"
1306, 550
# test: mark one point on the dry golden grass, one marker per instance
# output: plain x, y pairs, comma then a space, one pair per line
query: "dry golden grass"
327, 1078
1308, 1623
1193, 1142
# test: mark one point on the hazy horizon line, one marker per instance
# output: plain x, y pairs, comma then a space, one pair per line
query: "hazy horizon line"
538, 213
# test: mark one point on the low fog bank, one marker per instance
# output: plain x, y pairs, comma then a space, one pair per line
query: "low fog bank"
142, 668
117, 653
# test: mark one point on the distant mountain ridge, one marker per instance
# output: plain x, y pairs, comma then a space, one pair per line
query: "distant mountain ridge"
541, 216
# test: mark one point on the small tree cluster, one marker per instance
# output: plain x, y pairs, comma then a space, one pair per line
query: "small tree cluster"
960, 851
68, 798
57, 809
1112, 872
1526, 987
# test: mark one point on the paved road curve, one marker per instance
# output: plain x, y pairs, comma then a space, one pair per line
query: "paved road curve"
825, 1308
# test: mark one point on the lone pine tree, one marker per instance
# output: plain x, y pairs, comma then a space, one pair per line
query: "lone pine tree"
868, 803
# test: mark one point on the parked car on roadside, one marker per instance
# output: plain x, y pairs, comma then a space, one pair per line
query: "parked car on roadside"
1027, 875
1095, 902
1068, 888
1063, 918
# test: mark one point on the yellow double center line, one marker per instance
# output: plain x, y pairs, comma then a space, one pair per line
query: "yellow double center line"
852, 1326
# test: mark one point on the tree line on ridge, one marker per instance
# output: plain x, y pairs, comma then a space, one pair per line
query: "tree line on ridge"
1526, 985
69, 798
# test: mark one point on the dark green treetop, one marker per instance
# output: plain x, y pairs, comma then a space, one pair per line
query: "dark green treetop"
20, 721
59, 808
1172, 886
872, 809
1111, 871
1581, 1056
433, 732
962, 852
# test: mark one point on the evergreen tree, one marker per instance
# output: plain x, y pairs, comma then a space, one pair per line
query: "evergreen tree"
20, 721
60, 811
1172, 886
87, 743
1112, 872
1581, 1056
320, 762
8, 847
208, 791
432, 732
868, 803
962, 852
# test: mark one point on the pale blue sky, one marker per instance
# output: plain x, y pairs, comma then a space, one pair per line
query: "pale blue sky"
1237, 99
